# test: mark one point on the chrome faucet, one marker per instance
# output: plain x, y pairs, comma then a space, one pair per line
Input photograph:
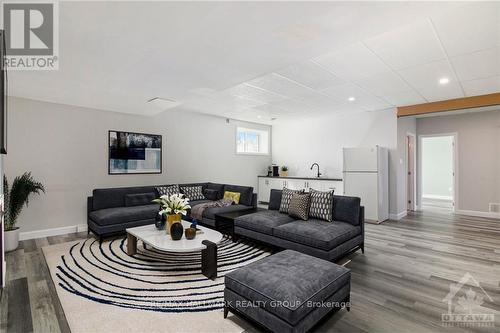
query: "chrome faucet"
316, 164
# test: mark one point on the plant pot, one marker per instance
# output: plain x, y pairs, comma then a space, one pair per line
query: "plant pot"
284, 173
11, 239
171, 219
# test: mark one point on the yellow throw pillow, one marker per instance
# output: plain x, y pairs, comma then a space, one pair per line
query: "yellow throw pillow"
232, 195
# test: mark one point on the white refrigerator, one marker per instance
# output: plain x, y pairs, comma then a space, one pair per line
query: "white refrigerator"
366, 175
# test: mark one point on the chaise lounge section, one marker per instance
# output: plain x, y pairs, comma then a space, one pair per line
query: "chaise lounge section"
318, 238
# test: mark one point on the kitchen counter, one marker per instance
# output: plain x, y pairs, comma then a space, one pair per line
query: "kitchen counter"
307, 178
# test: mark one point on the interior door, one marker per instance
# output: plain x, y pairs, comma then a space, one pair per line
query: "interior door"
410, 144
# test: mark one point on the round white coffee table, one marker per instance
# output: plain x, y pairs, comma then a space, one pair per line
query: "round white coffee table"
206, 242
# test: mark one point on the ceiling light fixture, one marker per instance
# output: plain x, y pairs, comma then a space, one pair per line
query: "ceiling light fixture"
163, 103
444, 80
351, 99
259, 116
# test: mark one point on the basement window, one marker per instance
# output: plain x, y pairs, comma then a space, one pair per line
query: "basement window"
252, 141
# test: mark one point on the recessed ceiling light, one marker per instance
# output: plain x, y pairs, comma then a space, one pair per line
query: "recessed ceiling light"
444, 80
259, 116
351, 99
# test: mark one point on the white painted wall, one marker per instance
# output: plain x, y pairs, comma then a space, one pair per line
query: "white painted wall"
65, 147
478, 143
300, 142
437, 167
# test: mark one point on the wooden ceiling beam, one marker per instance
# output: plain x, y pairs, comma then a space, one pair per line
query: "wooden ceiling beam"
450, 105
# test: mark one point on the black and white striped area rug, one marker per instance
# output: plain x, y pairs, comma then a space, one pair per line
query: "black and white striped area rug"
102, 275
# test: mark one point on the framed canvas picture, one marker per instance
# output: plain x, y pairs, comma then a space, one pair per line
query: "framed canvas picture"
134, 153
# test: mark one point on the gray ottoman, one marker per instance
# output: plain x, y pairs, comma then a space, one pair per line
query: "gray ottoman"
288, 291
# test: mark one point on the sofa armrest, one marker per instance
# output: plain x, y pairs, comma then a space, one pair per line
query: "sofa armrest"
362, 220
90, 202
254, 200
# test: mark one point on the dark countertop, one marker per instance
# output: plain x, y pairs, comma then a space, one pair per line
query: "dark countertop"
308, 178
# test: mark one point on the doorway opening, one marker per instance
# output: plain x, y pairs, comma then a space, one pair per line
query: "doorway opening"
438, 172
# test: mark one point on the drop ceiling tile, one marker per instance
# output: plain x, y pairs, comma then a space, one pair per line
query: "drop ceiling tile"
280, 85
412, 45
425, 79
361, 98
403, 98
311, 75
352, 63
249, 92
477, 65
384, 83
224, 98
470, 27
488, 85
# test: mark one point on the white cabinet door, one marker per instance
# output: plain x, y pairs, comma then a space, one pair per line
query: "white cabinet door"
264, 190
296, 184
335, 185
276, 184
315, 184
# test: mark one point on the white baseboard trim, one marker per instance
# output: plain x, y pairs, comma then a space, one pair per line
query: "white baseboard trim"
52, 232
437, 197
397, 217
477, 213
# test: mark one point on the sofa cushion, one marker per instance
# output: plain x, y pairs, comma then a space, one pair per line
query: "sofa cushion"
167, 190
115, 197
321, 205
140, 199
287, 283
110, 216
197, 202
286, 197
193, 192
209, 213
275, 199
263, 221
317, 233
346, 209
299, 206
246, 193
216, 187
211, 194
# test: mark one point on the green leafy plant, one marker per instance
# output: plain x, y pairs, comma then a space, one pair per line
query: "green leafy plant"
284, 168
16, 197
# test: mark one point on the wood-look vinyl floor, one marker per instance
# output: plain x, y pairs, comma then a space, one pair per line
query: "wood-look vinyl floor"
398, 285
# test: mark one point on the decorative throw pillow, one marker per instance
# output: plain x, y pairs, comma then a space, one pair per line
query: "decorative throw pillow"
235, 196
193, 192
299, 206
321, 205
211, 194
167, 190
285, 199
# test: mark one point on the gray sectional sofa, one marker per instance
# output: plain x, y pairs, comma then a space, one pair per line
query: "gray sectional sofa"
322, 239
112, 210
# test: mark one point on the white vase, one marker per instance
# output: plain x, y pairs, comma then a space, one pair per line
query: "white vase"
11, 239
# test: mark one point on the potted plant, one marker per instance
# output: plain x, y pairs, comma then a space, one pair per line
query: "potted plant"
15, 198
284, 171
173, 206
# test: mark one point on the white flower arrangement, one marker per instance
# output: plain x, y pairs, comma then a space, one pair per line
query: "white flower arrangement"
173, 204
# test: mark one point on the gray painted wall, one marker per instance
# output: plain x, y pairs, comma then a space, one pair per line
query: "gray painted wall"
65, 147
478, 144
